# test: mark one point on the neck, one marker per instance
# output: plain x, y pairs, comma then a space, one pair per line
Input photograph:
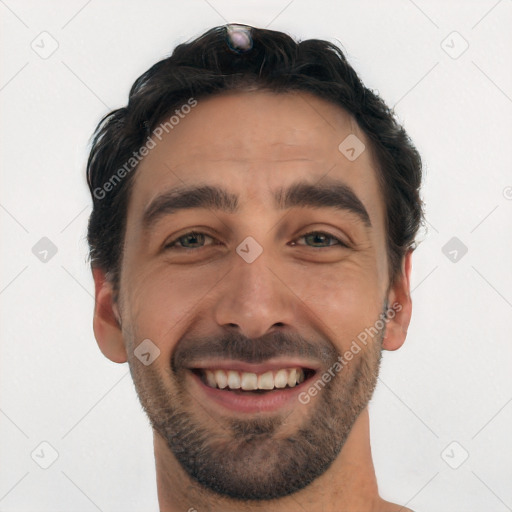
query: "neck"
348, 485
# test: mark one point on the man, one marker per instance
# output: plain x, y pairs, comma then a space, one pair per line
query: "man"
255, 208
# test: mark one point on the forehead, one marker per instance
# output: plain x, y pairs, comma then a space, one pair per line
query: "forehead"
254, 142
289, 125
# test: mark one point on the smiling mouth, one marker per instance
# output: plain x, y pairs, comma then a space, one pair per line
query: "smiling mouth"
249, 382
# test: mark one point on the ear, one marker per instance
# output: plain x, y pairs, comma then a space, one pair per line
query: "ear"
399, 300
107, 321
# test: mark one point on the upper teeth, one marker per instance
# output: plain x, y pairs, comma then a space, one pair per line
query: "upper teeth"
250, 381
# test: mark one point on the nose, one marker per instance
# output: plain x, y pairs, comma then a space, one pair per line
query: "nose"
255, 298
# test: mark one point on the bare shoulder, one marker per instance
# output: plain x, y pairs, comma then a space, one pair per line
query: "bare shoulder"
387, 506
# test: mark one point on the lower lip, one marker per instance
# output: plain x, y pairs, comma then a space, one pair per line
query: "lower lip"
249, 402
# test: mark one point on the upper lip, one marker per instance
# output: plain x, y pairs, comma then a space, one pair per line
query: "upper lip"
242, 366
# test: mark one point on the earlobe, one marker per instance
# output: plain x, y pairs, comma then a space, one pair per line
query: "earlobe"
400, 307
107, 321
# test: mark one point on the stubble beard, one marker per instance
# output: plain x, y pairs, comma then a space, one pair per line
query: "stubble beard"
251, 459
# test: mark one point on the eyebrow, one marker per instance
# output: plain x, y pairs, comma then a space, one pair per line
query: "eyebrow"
330, 194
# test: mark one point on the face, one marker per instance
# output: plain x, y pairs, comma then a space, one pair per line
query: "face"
251, 291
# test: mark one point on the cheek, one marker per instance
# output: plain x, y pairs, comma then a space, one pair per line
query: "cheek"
346, 302
160, 302
164, 301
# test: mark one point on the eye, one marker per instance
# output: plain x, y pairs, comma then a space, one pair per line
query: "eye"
193, 238
196, 240
319, 237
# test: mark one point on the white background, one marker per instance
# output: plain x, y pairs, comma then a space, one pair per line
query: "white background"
451, 381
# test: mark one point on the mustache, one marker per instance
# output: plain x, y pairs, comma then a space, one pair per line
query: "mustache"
235, 345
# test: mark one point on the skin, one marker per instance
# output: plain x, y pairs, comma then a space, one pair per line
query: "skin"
252, 143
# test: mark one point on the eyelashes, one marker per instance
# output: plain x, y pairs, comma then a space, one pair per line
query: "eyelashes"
173, 244
197, 235
338, 241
